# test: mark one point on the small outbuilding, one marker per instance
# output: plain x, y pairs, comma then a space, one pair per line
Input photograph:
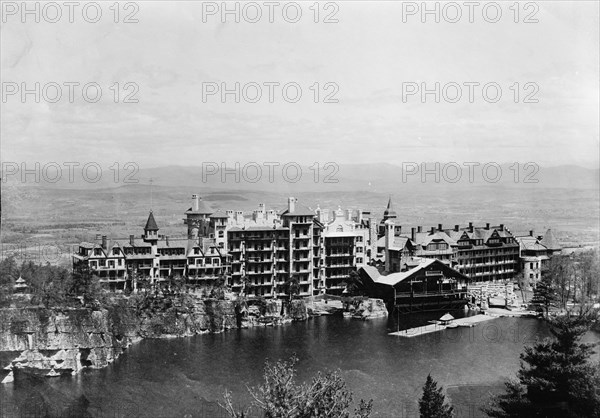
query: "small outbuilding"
20, 285
446, 319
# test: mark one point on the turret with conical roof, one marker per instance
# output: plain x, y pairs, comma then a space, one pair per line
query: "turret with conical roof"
151, 229
550, 242
389, 212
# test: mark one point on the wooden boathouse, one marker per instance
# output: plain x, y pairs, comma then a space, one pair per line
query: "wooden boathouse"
430, 285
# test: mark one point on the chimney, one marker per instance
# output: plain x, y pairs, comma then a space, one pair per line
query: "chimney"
104, 242
348, 214
501, 227
531, 232
195, 203
413, 235
470, 226
419, 228
432, 230
540, 237
399, 230
291, 204
456, 228
131, 240
389, 239
439, 227
487, 225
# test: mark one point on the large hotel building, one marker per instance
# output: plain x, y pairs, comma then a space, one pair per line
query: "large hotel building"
262, 251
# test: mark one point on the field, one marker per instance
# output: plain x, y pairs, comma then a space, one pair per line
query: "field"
44, 223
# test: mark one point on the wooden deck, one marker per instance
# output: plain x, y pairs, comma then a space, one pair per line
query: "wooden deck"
428, 329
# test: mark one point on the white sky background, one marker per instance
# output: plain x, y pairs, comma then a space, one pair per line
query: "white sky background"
369, 54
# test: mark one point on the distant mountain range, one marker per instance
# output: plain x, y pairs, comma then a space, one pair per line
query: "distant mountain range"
379, 178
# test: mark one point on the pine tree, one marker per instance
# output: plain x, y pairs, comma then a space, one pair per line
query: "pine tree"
544, 295
556, 378
432, 403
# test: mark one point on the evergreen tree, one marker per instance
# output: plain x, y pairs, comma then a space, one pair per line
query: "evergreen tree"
556, 378
433, 402
544, 295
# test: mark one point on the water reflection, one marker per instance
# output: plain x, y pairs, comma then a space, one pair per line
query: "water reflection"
186, 377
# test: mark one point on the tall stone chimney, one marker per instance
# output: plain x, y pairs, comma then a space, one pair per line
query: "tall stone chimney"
389, 238
439, 227
104, 242
419, 228
195, 203
456, 227
501, 227
291, 204
413, 234
432, 230
487, 225
131, 240
470, 226
531, 232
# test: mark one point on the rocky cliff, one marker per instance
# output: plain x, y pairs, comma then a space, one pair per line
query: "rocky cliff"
58, 341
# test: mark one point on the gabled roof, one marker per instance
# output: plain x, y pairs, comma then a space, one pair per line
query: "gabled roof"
203, 209
299, 210
424, 238
395, 278
151, 223
219, 214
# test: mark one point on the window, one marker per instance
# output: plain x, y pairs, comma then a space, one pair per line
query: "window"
359, 260
531, 275
359, 238
531, 265
221, 234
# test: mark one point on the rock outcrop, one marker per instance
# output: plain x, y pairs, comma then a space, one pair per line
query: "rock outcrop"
52, 342
371, 308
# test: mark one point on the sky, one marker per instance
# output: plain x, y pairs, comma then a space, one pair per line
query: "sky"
178, 51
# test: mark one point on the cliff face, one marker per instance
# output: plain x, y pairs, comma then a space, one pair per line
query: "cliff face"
57, 341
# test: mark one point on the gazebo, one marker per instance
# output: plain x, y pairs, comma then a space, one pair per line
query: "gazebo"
20, 285
446, 319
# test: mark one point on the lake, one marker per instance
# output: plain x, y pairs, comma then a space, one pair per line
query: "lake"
186, 377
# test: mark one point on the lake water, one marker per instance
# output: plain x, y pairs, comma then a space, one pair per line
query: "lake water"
186, 377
